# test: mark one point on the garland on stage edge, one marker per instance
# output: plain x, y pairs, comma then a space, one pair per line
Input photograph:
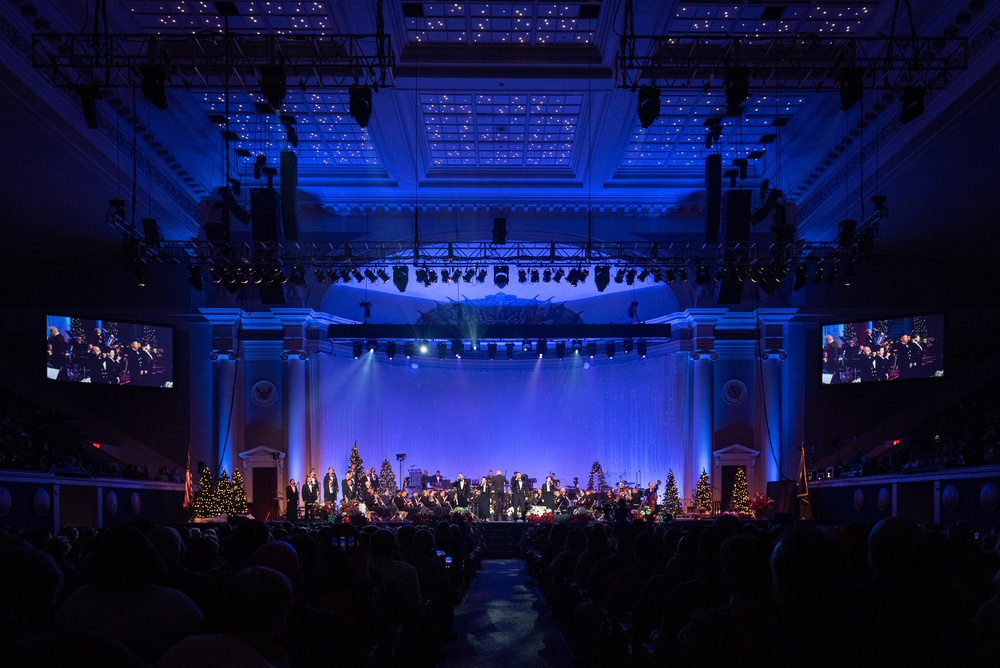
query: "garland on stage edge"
602, 482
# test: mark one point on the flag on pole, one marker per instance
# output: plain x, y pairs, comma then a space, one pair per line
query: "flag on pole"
802, 486
188, 485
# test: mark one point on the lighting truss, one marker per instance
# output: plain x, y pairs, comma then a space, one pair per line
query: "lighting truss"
788, 62
216, 60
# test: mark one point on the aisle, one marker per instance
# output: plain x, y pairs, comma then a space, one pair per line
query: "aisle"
504, 621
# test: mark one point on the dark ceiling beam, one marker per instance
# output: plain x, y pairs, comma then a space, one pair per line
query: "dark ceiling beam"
499, 332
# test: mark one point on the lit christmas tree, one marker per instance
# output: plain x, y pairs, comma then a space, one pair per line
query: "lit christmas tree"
602, 482
223, 492
703, 494
354, 461
206, 503
739, 502
671, 499
386, 478
238, 495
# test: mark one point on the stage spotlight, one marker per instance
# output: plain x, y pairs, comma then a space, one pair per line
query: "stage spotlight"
737, 84
609, 349
356, 349
501, 276
628, 346
361, 104
682, 275
481, 276
649, 105
657, 274
642, 348
390, 349
671, 275
474, 344
591, 349
381, 274
370, 275
491, 351
421, 277
547, 275
643, 275
573, 277
630, 276
298, 276
848, 277
442, 349
154, 84
619, 275
510, 351
407, 349
912, 100
272, 85
534, 275
526, 345
577, 346
560, 272
560, 349
358, 277
542, 347
602, 277
457, 348
432, 276
801, 275
424, 346
851, 85
445, 276
319, 274
818, 276
831, 276
470, 273
701, 275
522, 276
584, 273
372, 345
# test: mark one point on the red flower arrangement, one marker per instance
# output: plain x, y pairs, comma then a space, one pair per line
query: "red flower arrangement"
760, 503
540, 515
422, 516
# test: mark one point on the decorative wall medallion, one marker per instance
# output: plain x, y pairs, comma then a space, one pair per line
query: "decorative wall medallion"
989, 497
42, 501
5, 502
949, 498
263, 393
135, 503
111, 503
734, 392
859, 500
884, 499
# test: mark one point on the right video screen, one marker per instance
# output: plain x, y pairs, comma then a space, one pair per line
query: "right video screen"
884, 350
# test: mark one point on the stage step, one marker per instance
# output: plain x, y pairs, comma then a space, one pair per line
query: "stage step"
502, 539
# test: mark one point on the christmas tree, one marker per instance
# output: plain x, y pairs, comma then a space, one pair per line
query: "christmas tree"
671, 499
206, 503
355, 462
602, 482
703, 494
238, 495
739, 502
223, 492
386, 478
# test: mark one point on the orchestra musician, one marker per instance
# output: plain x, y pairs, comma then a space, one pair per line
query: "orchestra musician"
519, 493
499, 493
330, 487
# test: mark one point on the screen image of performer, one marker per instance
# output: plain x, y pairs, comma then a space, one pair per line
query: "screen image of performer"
461, 491
519, 496
310, 495
330, 487
292, 501
483, 499
499, 494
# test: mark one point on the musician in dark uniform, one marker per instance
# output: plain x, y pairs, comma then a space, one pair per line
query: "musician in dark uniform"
310, 495
349, 488
292, 501
483, 499
519, 495
548, 493
330, 487
499, 494
461, 491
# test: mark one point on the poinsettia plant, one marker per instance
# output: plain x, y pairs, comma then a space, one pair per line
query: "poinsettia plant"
760, 502
540, 515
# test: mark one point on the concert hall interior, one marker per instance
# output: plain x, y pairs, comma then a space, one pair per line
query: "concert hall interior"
526, 235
